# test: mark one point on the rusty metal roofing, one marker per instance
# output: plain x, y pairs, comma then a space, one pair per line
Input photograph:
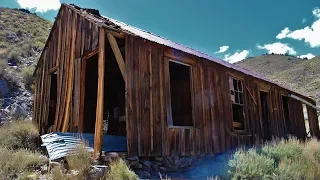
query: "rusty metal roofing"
123, 27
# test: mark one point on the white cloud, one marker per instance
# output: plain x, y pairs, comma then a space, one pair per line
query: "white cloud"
309, 56
310, 35
283, 33
222, 49
238, 56
277, 48
40, 5
316, 12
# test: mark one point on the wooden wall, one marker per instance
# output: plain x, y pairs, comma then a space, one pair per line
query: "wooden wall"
72, 38
148, 105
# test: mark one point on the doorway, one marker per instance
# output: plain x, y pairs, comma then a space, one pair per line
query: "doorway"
52, 99
265, 115
114, 94
90, 96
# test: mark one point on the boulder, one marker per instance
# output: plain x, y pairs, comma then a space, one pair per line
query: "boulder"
4, 88
184, 162
146, 163
143, 174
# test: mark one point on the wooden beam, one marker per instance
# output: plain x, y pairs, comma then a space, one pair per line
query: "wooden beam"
117, 54
90, 53
98, 134
52, 70
70, 76
304, 101
255, 102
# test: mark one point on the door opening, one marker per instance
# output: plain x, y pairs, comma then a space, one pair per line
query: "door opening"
265, 115
52, 99
90, 96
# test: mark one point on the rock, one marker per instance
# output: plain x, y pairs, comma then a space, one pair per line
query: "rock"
143, 174
97, 173
110, 156
184, 162
149, 169
163, 169
168, 162
133, 163
146, 163
4, 88
155, 167
133, 158
136, 166
159, 158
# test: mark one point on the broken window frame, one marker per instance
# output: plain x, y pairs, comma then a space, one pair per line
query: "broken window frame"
237, 126
190, 63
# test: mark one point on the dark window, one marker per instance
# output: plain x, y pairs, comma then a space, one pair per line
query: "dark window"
236, 91
180, 90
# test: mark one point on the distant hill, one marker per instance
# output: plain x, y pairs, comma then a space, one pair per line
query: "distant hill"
22, 37
301, 75
270, 64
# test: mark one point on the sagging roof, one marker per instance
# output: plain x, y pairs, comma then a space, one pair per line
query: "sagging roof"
112, 24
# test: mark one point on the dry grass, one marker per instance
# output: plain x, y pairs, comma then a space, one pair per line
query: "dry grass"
119, 170
284, 159
13, 162
81, 162
19, 134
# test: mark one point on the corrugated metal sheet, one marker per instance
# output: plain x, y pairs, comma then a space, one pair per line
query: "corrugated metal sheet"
61, 145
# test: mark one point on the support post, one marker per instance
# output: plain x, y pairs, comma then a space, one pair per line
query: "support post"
116, 51
98, 135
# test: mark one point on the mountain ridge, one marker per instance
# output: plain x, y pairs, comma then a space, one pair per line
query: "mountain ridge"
300, 75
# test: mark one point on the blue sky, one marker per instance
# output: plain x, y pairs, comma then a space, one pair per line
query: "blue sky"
230, 30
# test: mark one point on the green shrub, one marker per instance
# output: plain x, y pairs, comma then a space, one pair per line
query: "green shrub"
13, 162
27, 73
119, 170
282, 149
15, 55
19, 134
284, 159
250, 165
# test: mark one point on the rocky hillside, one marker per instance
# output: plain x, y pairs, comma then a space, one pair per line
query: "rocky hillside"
22, 37
301, 75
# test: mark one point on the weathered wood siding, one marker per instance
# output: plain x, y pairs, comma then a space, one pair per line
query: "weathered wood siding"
148, 108
72, 37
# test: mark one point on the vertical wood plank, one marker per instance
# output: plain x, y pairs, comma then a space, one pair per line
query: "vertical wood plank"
98, 134
70, 76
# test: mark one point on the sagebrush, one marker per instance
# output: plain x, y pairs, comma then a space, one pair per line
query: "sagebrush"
280, 159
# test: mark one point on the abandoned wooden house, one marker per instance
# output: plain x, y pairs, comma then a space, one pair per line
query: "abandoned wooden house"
98, 75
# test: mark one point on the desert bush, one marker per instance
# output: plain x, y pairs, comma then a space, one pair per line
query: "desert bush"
14, 55
280, 159
13, 162
299, 168
19, 134
80, 161
27, 73
283, 149
119, 170
250, 165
